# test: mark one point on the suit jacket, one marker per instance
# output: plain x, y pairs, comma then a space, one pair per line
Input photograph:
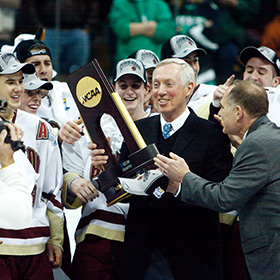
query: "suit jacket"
189, 236
253, 188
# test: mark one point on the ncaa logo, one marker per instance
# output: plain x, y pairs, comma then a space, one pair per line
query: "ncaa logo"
89, 92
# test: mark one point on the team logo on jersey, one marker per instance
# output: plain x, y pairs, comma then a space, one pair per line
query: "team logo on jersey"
46, 133
89, 92
42, 132
65, 105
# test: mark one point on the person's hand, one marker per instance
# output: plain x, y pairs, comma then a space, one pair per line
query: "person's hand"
6, 151
150, 28
70, 132
55, 255
84, 189
174, 167
98, 157
221, 89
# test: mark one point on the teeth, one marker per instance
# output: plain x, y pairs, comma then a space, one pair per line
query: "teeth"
129, 98
162, 100
33, 106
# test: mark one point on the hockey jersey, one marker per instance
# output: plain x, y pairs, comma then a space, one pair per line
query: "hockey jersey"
58, 106
97, 218
47, 216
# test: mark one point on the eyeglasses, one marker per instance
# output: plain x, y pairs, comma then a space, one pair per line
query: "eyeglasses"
41, 92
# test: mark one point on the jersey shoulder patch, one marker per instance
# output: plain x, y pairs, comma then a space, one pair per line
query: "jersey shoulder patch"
45, 132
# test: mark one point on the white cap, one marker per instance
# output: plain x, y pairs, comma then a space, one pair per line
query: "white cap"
180, 46
147, 57
130, 66
9, 64
32, 82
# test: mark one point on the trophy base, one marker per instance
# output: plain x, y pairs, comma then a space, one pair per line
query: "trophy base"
137, 163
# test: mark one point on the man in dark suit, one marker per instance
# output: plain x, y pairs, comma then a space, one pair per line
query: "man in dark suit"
252, 186
166, 238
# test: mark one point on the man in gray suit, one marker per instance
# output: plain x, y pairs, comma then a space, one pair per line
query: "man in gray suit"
253, 185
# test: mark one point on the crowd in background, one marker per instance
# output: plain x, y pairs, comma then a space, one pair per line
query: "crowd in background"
221, 27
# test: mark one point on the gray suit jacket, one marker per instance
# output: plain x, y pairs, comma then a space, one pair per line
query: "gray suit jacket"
253, 188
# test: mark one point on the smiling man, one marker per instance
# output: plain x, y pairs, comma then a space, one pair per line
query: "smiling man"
34, 256
34, 91
252, 186
262, 65
11, 82
184, 47
131, 84
165, 238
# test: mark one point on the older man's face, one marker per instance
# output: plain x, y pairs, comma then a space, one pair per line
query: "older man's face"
260, 70
169, 92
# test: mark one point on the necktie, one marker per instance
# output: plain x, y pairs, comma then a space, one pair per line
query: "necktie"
166, 129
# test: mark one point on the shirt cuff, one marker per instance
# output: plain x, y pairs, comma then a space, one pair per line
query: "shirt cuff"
179, 190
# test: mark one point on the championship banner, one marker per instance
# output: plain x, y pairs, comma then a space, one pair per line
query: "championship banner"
94, 96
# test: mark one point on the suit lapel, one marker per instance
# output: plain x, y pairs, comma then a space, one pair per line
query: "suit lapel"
185, 135
150, 129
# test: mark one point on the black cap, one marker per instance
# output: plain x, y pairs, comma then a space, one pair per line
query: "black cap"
24, 49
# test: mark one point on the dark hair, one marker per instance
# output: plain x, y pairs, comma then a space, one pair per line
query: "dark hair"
249, 95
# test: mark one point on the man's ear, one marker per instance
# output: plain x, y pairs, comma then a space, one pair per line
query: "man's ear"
239, 113
276, 81
147, 88
189, 89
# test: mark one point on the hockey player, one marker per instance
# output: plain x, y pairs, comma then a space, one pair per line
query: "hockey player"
150, 61
16, 183
34, 91
59, 106
100, 233
32, 252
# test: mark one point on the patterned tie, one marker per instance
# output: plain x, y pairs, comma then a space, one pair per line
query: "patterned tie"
166, 129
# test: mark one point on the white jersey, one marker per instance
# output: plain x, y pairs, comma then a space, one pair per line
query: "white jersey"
97, 218
43, 152
273, 94
58, 106
16, 183
202, 93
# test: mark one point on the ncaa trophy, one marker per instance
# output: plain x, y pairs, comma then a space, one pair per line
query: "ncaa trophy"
94, 96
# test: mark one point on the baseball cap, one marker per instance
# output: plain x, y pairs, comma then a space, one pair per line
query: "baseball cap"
262, 51
9, 64
180, 46
130, 66
147, 57
25, 49
32, 82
